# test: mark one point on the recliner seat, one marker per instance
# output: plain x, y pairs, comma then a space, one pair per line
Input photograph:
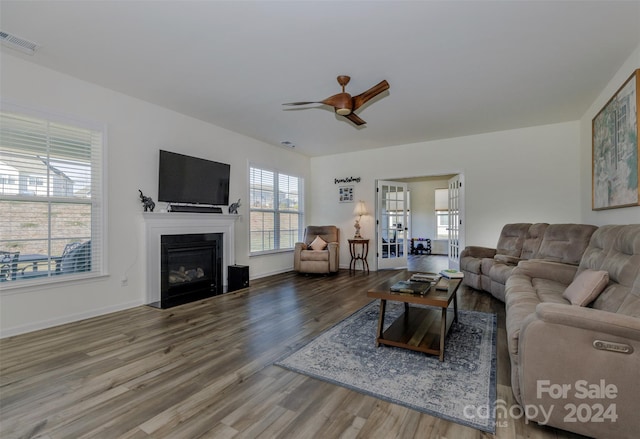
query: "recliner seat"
323, 261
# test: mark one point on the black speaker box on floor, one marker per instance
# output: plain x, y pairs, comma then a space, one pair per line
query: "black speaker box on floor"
238, 277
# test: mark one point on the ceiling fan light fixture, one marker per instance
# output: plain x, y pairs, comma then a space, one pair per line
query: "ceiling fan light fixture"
343, 111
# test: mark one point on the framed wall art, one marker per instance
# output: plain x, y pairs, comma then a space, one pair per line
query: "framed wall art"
615, 165
345, 194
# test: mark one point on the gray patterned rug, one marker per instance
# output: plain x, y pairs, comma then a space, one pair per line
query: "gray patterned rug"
461, 389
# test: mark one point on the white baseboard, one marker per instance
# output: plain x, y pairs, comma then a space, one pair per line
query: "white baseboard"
270, 273
44, 324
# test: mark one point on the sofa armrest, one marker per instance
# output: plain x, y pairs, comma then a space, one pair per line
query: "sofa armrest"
590, 319
573, 358
508, 260
538, 268
334, 256
479, 252
297, 249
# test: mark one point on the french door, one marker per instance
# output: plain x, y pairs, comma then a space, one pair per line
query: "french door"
391, 224
456, 213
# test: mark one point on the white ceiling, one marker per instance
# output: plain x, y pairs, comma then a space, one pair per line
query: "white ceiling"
455, 68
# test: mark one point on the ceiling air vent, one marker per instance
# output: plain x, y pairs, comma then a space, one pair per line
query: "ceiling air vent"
18, 43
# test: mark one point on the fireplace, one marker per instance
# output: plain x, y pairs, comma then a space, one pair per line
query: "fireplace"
190, 268
182, 245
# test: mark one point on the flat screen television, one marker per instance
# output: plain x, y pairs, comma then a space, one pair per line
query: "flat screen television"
192, 180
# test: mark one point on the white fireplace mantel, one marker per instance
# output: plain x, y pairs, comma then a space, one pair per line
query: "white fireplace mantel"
175, 223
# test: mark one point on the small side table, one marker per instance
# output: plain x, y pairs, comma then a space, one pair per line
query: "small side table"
359, 256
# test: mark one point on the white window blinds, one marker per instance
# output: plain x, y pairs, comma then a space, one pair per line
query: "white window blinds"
276, 210
51, 199
442, 199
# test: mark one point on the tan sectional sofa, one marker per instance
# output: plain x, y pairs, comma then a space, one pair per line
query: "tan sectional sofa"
575, 360
476, 262
592, 351
488, 269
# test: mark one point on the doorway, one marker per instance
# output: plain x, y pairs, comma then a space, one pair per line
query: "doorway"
415, 212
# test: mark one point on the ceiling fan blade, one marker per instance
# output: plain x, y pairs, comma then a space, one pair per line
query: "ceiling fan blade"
302, 103
355, 119
362, 98
344, 104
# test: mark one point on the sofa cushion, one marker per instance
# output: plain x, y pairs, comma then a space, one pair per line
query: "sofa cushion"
523, 295
532, 240
512, 238
486, 264
314, 255
601, 243
622, 262
328, 233
501, 272
565, 243
318, 244
471, 264
587, 285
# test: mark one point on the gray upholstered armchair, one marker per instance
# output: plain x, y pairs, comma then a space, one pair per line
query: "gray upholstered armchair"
319, 253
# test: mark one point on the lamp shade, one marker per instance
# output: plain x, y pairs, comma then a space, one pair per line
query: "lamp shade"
360, 209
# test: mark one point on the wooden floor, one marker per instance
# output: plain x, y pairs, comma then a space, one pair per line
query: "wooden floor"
205, 370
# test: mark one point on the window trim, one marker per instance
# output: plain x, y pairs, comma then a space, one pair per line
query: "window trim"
99, 222
275, 210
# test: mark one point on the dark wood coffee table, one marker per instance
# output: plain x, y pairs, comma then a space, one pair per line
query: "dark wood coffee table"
418, 329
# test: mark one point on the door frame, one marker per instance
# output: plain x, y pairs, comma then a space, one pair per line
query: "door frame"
462, 207
456, 220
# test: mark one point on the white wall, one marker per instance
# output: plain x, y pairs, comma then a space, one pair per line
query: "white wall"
136, 130
423, 199
523, 175
423, 218
624, 215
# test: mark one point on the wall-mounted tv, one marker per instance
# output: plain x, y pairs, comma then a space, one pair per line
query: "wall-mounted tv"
192, 180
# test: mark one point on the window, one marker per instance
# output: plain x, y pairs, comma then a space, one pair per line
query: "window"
276, 210
51, 197
442, 213
442, 224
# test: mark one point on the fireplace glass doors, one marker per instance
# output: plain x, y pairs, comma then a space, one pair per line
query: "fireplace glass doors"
191, 268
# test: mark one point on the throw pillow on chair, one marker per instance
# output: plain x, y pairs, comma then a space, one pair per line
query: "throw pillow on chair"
318, 244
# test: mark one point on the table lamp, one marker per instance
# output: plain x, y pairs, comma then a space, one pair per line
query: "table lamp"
360, 210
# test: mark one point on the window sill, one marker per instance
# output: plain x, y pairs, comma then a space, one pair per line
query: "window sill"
270, 252
20, 287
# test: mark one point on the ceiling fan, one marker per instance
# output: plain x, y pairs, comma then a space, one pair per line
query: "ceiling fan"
344, 104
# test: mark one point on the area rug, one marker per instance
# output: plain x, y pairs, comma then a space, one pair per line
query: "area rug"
462, 389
